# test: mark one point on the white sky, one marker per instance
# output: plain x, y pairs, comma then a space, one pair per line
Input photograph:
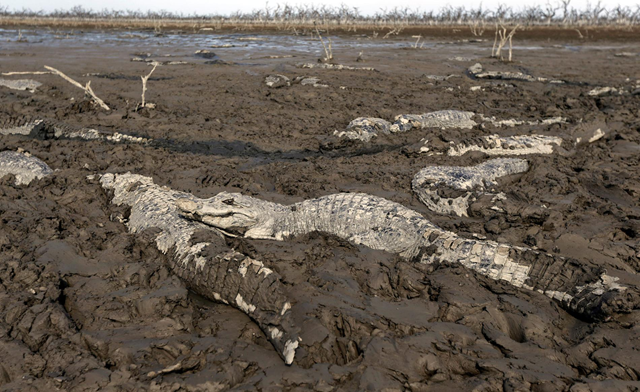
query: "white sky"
205, 7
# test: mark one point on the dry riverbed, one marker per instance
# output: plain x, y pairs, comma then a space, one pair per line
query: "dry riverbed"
85, 305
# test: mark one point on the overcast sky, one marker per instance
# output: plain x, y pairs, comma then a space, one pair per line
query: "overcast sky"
205, 7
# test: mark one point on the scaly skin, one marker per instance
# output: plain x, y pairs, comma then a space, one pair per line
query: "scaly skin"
477, 72
218, 274
507, 145
471, 180
440, 119
582, 288
20, 84
40, 128
365, 129
24, 167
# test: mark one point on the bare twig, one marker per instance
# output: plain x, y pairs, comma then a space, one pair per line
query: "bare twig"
328, 53
144, 83
415, 45
21, 38
476, 28
510, 46
394, 31
26, 73
87, 89
505, 37
495, 42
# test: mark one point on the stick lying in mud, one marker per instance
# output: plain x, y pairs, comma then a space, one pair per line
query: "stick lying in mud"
87, 89
580, 287
219, 275
468, 180
27, 73
23, 166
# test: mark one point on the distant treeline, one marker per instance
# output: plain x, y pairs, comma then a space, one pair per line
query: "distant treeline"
561, 13
558, 14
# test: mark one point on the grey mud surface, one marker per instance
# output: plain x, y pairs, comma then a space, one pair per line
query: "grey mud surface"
86, 306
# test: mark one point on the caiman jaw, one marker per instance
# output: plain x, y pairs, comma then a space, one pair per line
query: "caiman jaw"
221, 218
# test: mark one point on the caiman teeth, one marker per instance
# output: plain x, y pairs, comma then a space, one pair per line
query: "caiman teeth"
224, 232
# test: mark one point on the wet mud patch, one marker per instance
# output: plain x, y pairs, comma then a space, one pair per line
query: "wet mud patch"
85, 305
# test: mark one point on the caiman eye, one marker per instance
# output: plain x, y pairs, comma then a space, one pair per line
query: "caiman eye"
229, 202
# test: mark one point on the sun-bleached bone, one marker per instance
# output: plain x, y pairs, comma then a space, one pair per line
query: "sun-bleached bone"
228, 277
472, 180
507, 145
23, 166
381, 224
21, 84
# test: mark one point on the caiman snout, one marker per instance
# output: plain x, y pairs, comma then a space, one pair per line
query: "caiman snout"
187, 205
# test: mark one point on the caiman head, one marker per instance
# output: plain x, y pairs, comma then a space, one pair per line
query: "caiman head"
232, 213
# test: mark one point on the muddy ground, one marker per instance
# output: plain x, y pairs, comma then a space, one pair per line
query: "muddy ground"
85, 305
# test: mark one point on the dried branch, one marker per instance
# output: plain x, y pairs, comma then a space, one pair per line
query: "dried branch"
495, 42
415, 45
328, 53
144, 83
26, 73
87, 89
501, 31
477, 29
